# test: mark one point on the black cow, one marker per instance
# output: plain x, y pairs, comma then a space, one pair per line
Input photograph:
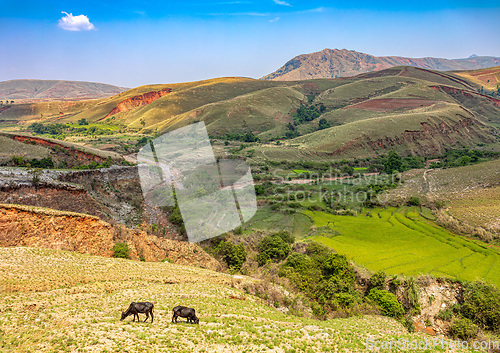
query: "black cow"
139, 308
188, 313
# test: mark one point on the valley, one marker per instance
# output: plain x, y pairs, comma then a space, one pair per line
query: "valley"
372, 191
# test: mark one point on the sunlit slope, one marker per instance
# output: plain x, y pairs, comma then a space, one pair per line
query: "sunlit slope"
488, 78
9, 147
422, 131
402, 108
183, 98
60, 301
260, 111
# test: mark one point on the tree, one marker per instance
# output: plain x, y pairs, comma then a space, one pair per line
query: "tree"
394, 163
275, 246
250, 137
83, 122
143, 122
35, 176
121, 250
233, 255
323, 124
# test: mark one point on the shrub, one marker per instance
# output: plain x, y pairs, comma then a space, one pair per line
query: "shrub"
414, 201
388, 302
302, 272
377, 280
259, 190
298, 262
273, 247
463, 328
411, 293
286, 236
121, 250
233, 255
482, 304
445, 315
318, 252
409, 324
337, 265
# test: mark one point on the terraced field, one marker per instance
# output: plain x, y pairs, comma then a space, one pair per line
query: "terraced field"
402, 241
472, 193
56, 301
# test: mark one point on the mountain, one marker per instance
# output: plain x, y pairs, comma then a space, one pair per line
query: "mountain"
332, 63
49, 90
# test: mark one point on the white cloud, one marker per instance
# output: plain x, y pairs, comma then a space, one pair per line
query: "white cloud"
276, 19
75, 23
281, 2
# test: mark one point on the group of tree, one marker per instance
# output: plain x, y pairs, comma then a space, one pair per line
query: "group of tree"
304, 114
49, 129
246, 137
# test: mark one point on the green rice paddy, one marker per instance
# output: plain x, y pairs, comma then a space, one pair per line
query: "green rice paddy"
401, 241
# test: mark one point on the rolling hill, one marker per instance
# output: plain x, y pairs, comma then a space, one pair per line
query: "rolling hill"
333, 63
489, 78
50, 90
409, 109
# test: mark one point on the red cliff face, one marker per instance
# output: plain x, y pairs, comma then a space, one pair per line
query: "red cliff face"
138, 101
80, 155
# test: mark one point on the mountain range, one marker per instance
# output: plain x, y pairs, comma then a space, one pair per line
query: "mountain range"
333, 63
46, 90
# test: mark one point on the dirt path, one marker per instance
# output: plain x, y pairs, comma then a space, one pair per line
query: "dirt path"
426, 184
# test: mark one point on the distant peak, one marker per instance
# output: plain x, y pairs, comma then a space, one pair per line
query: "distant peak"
473, 56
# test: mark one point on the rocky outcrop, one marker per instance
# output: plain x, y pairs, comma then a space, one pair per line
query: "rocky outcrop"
138, 101
436, 296
47, 228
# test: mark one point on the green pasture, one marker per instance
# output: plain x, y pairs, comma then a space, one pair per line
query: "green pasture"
401, 241
267, 220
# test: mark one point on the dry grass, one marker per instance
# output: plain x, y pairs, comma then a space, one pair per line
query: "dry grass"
471, 193
56, 301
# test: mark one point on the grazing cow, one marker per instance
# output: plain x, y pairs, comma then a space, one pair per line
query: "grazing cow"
188, 313
139, 308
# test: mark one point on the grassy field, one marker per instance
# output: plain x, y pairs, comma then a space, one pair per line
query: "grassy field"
401, 241
269, 221
471, 193
55, 301
9, 148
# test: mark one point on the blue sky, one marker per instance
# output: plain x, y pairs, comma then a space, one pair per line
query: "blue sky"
131, 43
